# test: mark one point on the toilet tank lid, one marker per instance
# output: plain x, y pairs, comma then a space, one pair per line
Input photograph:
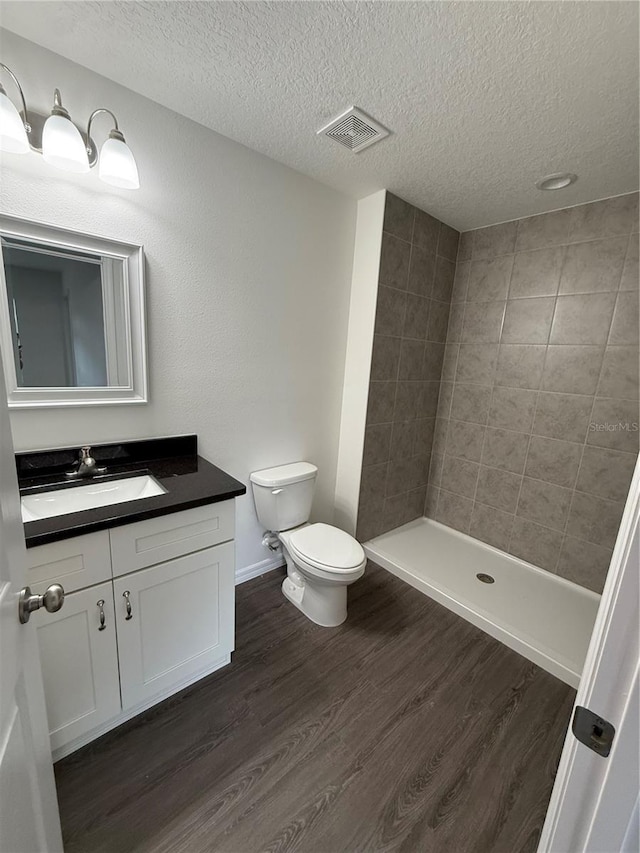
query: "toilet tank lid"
283, 475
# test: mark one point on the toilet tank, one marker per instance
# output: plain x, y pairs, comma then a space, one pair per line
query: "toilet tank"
284, 494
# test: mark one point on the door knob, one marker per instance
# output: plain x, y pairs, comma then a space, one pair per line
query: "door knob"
52, 600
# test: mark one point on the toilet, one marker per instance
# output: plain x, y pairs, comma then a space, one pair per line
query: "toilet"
321, 559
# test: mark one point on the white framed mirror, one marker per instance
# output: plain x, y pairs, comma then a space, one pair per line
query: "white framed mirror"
72, 317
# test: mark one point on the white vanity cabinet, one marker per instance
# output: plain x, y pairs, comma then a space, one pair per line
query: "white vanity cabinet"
149, 609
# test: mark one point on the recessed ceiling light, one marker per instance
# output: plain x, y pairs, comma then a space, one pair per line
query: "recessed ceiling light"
557, 182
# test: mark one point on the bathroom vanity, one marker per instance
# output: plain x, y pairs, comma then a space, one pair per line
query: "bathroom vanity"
149, 584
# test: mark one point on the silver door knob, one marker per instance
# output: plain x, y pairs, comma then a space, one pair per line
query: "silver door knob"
52, 600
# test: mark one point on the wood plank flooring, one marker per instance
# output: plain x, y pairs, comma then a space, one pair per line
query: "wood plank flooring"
405, 730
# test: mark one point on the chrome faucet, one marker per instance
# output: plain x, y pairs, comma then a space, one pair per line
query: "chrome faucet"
86, 466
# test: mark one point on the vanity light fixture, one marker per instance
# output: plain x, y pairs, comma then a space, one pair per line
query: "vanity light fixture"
61, 142
13, 128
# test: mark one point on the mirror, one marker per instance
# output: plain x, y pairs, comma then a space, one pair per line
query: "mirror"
72, 317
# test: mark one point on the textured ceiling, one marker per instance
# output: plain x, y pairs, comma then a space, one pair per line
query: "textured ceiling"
482, 98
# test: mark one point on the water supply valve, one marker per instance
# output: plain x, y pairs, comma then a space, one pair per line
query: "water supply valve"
271, 541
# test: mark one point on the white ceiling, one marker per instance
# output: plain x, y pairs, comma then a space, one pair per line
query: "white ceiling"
483, 98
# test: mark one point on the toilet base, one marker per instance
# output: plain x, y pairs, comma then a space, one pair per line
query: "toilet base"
324, 604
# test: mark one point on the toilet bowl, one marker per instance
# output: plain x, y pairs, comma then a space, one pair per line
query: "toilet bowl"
322, 560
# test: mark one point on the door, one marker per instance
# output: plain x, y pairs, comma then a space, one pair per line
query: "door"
594, 804
28, 806
79, 658
175, 621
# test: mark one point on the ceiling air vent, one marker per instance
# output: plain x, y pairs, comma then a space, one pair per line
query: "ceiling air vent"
354, 129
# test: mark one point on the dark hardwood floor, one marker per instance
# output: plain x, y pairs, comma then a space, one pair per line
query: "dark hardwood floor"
406, 729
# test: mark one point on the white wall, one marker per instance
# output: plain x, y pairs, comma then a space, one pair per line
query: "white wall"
362, 317
248, 282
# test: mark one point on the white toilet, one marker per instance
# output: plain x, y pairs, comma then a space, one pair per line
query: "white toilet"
321, 560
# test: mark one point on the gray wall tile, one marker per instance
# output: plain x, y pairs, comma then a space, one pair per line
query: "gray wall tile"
476, 363
377, 442
553, 461
426, 231
564, 416
390, 310
465, 246
465, 440
527, 321
421, 271
572, 369
499, 489
615, 424
593, 266
438, 321
482, 322
460, 475
535, 544
489, 279
470, 402
547, 229
594, 519
416, 318
619, 373
583, 319
512, 408
385, 357
606, 473
617, 215
536, 273
520, 365
630, 274
448, 242
624, 327
398, 217
394, 262
491, 525
584, 563
494, 240
544, 503
380, 406
460, 282
505, 449
454, 511
403, 436
411, 359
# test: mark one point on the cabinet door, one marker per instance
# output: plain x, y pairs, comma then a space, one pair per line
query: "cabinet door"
80, 664
174, 621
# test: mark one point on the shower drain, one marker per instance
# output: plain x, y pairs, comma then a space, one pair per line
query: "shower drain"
485, 578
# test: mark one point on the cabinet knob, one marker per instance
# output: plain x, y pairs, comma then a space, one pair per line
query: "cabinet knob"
52, 601
126, 595
100, 604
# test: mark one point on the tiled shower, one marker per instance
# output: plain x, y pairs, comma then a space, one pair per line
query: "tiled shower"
503, 397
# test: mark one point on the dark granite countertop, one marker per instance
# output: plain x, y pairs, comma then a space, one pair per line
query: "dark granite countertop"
189, 479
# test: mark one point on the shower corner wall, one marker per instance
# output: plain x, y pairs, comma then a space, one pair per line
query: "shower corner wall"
503, 394
414, 287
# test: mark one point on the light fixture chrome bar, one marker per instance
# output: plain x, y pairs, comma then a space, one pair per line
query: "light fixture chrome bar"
25, 116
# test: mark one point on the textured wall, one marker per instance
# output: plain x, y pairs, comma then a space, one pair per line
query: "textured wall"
540, 372
414, 290
248, 282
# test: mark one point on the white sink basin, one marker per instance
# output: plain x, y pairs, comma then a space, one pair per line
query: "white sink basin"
89, 496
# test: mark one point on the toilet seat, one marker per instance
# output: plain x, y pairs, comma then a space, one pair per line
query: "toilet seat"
326, 549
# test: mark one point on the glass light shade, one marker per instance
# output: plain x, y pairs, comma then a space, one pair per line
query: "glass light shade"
63, 146
13, 136
117, 165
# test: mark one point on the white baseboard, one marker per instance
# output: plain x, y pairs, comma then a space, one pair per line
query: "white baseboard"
254, 571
